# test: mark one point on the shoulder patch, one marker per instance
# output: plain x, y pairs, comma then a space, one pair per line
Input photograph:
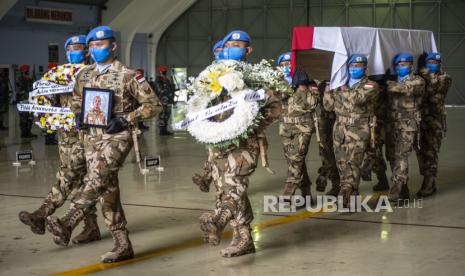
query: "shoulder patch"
314, 88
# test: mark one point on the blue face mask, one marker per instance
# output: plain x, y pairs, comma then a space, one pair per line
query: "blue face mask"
433, 67
218, 55
100, 54
403, 71
76, 56
356, 72
287, 70
234, 53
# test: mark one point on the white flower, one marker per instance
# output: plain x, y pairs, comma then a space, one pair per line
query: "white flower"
231, 81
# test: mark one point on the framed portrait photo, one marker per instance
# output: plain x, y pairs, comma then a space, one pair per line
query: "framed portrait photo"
96, 107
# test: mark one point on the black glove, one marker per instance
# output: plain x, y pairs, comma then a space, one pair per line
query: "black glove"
116, 125
79, 123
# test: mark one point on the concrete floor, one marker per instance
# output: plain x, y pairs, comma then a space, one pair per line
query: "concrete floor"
163, 216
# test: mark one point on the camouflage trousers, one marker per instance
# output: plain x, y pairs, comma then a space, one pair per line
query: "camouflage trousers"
328, 167
295, 150
164, 116
429, 146
401, 146
105, 155
230, 175
71, 171
374, 158
350, 144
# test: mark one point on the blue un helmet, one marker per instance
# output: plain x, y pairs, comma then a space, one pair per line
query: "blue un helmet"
76, 56
433, 67
287, 69
235, 53
402, 71
100, 33
218, 54
356, 73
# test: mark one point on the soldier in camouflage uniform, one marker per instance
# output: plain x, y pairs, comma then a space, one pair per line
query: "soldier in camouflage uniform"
328, 169
106, 149
72, 165
165, 92
374, 158
24, 86
405, 96
296, 128
203, 181
354, 105
433, 121
231, 167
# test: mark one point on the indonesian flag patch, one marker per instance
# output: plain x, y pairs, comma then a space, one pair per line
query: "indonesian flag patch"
314, 87
140, 79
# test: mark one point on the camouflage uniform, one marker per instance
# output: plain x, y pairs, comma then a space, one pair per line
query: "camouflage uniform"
165, 92
351, 135
296, 127
230, 170
433, 125
374, 158
404, 101
105, 154
72, 168
24, 86
328, 167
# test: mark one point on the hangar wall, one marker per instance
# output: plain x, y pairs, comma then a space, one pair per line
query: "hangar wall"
188, 41
27, 43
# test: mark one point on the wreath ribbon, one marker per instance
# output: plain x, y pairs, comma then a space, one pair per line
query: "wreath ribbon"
43, 109
48, 88
220, 108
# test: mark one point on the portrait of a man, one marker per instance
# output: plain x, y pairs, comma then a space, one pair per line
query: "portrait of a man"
96, 107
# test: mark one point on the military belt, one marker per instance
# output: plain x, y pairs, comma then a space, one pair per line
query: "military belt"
297, 120
405, 114
352, 120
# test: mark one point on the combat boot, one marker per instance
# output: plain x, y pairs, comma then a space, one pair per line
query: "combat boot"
243, 245
365, 174
63, 228
383, 184
305, 189
321, 183
35, 220
345, 191
236, 238
202, 181
289, 189
91, 231
335, 188
398, 191
428, 188
212, 225
122, 250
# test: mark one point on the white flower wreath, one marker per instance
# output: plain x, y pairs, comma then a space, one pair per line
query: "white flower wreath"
237, 79
210, 132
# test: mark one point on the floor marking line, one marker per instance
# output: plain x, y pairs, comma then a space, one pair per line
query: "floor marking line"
382, 222
186, 245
